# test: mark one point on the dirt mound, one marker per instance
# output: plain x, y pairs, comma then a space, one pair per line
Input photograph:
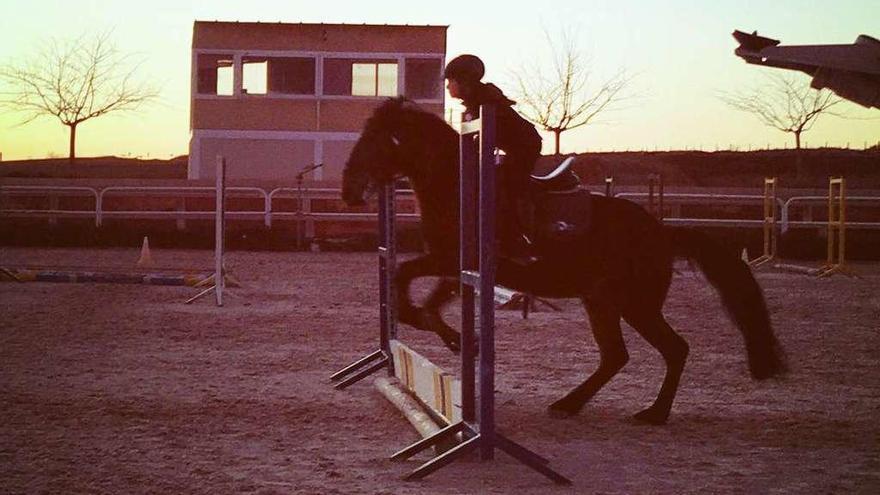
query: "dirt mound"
102, 167
804, 168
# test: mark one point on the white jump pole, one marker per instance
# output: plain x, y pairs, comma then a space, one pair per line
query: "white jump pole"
219, 236
220, 230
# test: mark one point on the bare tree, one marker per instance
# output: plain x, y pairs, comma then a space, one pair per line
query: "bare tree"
74, 81
562, 99
787, 103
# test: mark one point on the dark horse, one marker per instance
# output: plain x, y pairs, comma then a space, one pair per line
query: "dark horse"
608, 252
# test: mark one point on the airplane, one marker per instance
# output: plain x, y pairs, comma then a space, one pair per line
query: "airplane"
850, 71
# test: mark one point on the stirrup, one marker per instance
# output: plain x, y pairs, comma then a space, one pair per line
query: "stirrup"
521, 254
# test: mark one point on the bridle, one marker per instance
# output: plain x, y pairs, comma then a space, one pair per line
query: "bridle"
376, 184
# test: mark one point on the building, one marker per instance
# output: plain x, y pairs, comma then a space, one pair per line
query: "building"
277, 98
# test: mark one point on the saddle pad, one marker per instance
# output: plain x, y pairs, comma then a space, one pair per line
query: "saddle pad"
562, 217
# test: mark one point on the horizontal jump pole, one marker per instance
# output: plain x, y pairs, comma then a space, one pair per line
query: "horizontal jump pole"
428, 397
412, 409
787, 267
25, 275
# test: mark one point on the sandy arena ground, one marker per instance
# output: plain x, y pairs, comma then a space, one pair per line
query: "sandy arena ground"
123, 389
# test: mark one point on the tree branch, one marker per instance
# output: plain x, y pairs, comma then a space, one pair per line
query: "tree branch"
784, 103
566, 101
73, 81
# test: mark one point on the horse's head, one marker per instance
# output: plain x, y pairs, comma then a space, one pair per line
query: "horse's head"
376, 157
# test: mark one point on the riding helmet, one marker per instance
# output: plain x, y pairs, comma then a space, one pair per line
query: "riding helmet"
465, 69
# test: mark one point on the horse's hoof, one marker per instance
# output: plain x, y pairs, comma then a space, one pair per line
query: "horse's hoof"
410, 317
452, 345
451, 339
651, 417
559, 410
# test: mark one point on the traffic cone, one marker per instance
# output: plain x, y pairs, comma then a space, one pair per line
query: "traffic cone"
146, 259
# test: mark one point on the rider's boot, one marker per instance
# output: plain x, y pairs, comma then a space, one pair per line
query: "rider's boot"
515, 244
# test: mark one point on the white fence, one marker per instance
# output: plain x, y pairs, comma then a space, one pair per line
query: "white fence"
100, 195
306, 213
805, 204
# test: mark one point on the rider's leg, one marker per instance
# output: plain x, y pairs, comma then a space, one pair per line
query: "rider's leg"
514, 205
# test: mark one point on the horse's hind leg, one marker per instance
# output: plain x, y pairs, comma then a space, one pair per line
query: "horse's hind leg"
605, 322
653, 327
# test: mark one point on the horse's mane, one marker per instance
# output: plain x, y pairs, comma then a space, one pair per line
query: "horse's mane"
430, 148
395, 113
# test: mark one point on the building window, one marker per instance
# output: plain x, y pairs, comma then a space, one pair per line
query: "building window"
291, 75
360, 77
373, 79
424, 78
214, 74
254, 75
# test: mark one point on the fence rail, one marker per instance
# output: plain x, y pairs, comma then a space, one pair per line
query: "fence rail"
305, 211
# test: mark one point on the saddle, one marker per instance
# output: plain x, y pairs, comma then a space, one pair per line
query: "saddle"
562, 207
562, 180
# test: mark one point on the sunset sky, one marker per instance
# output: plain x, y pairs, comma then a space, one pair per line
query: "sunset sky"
681, 52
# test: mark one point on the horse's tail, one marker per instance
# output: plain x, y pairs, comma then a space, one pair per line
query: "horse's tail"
740, 294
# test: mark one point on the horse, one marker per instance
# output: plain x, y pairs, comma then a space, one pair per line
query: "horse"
608, 252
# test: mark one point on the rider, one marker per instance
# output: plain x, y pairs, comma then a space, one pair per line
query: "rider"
515, 135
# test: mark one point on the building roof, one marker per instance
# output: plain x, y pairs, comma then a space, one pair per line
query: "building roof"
197, 21
379, 38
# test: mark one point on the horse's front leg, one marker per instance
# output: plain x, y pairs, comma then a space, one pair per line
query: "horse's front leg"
427, 318
406, 272
445, 290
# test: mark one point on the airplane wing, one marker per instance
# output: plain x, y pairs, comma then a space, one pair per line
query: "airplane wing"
851, 71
